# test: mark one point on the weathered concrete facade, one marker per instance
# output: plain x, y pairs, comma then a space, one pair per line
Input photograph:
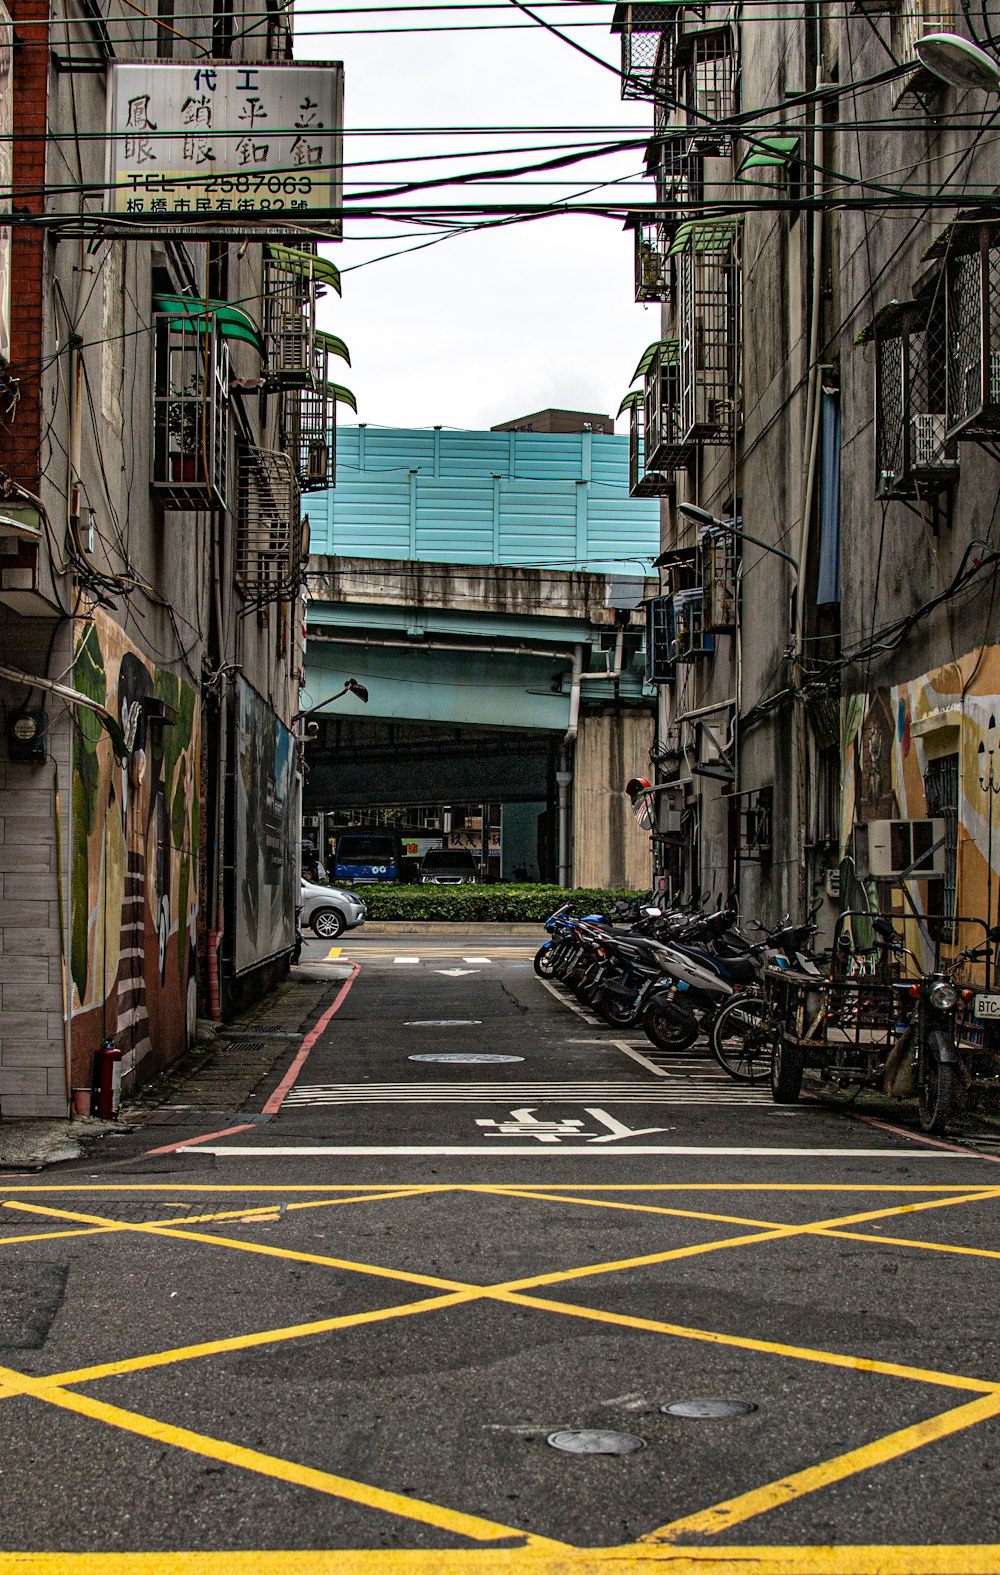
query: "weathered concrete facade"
124, 861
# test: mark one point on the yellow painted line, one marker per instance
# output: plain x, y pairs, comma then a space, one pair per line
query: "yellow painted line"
932, 1559
58, 1235
775, 1233
263, 1249
514, 1291
243, 1188
247, 1342
632, 1208
734, 1511
462, 1525
265, 1211
335, 951
907, 1241
799, 1353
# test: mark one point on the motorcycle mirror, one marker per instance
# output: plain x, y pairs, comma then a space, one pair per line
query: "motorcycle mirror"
994, 934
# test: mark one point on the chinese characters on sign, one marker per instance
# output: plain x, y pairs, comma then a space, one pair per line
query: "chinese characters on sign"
224, 140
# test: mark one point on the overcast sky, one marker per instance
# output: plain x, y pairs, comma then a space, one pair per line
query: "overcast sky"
482, 327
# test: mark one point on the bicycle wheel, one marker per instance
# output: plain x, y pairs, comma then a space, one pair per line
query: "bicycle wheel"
741, 1039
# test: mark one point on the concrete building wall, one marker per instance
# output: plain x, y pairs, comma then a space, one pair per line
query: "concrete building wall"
609, 849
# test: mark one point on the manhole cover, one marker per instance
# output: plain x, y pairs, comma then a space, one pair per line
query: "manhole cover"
595, 1441
466, 1060
702, 1409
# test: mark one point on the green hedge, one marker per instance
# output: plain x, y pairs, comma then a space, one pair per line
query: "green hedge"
505, 903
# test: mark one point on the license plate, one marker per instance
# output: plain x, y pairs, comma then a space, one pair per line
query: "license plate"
986, 1008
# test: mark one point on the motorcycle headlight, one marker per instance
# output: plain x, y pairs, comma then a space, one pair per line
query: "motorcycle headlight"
942, 995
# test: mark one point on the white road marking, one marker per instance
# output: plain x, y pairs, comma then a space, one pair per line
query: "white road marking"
462, 1092
636, 1055
406, 959
503, 1150
488, 960
456, 973
588, 1017
444, 1022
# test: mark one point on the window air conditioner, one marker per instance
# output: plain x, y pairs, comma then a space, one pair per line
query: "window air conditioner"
905, 847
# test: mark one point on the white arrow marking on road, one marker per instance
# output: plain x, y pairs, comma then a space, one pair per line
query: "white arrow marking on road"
455, 973
616, 1129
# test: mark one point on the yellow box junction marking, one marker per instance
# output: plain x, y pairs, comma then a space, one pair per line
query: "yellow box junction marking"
544, 1554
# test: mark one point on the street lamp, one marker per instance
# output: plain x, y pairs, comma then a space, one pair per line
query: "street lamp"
703, 517
990, 785
351, 687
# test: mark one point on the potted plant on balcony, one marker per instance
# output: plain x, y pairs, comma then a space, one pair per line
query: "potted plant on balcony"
184, 428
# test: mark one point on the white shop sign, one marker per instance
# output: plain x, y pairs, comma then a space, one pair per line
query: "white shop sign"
224, 142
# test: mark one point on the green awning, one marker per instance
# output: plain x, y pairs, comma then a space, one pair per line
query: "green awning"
342, 395
770, 153
296, 261
646, 359
666, 349
630, 401
333, 346
187, 313
702, 235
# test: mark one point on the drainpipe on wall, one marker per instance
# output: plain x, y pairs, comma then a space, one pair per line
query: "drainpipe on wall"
564, 775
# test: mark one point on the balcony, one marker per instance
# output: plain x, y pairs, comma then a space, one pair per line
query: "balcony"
268, 527
665, 447
912, 447
309, 419
654, 272
717, 556
708, 318
190, 409
645, 32
705, 83
642, 483
691, 639
294, 281
661, 662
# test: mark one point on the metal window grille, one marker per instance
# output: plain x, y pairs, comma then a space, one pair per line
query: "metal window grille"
707, 85
757, 828
268, 528
643, 483
661, 402
717, 550
973, 333
680, 180
691, 639
653, 267
708, 296
661, 666
645, 35
290, 320
941, 794
309, 426
190, 414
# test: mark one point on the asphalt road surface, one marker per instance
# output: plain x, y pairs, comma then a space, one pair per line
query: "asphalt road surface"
338, 1327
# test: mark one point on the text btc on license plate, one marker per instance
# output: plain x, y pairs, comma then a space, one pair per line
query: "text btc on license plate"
986, 1008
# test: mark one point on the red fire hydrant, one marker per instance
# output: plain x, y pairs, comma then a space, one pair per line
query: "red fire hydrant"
108, 1080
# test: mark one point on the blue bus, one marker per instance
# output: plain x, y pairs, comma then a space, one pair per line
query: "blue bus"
364, 857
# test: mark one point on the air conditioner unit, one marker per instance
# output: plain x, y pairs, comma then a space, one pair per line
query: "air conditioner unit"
911, 848
318, 462
929, 448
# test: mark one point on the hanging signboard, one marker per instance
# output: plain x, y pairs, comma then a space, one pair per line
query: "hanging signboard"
225, 144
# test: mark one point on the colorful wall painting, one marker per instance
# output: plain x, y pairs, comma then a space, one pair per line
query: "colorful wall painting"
134, 870
891, 740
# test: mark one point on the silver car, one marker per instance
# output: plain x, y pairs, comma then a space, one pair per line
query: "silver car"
328, 911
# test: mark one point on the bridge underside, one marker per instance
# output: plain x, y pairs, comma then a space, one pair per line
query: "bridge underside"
360, 764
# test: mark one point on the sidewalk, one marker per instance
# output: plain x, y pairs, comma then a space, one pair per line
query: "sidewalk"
218, 1077
441, 927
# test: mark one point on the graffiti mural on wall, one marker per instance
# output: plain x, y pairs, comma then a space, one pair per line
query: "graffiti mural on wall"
904, 746
134, 878
265, 806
